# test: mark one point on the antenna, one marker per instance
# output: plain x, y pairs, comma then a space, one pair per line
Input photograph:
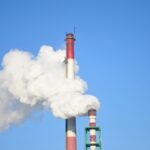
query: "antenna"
74, 31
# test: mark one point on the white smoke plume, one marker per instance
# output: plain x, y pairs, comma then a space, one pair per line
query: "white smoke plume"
28, 82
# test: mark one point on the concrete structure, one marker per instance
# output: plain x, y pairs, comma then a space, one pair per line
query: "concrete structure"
70, 74
92, 133
92, 123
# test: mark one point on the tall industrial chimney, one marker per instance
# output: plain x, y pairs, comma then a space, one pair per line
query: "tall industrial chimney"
70, 74
92, 124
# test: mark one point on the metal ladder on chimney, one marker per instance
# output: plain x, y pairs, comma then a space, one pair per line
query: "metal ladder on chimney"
98, 138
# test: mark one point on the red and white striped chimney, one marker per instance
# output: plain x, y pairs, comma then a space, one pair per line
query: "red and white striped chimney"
70, 74
92, 123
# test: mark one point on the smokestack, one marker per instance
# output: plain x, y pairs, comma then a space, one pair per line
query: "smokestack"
70, 74
92, 124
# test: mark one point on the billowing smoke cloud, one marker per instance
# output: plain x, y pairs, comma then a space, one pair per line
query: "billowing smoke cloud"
28, 83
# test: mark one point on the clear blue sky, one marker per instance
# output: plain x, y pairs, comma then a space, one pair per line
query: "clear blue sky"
113, 51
